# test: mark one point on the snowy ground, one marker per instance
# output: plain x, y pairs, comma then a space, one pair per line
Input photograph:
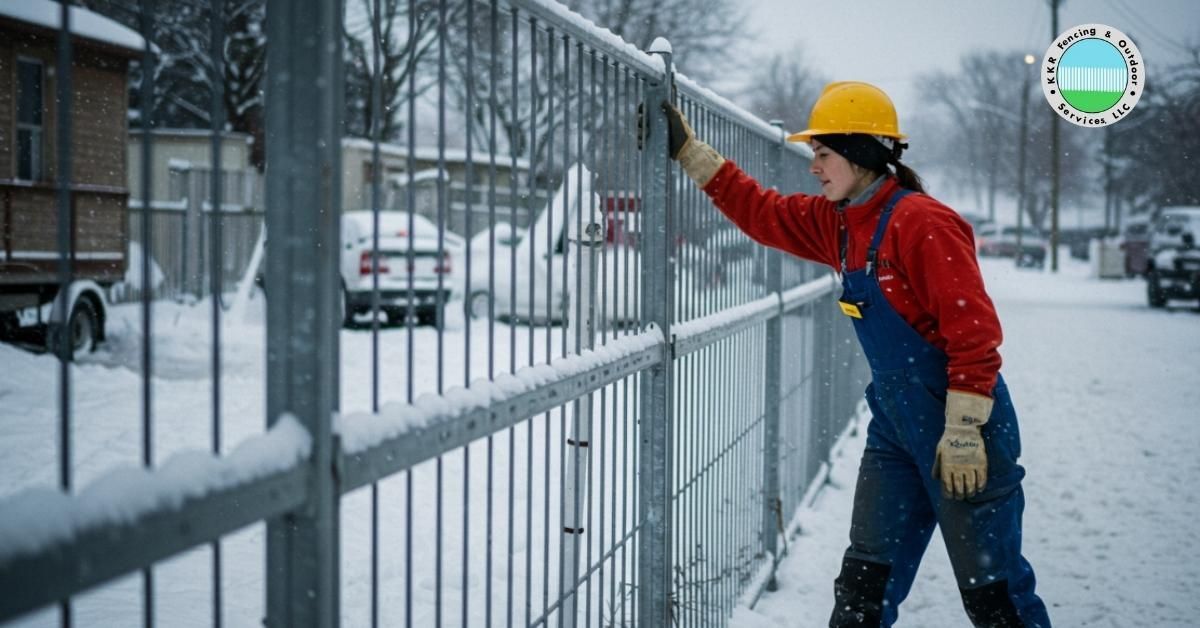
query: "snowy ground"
1109, 527
1107, 391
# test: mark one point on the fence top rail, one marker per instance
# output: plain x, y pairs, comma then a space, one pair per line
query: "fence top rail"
130, 493
807, 292
719, 104
596, 37
604, 40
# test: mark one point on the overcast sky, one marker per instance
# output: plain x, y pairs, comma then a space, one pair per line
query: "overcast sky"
890, 42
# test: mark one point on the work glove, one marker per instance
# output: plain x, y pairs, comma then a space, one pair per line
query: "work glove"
699, 160
961, 459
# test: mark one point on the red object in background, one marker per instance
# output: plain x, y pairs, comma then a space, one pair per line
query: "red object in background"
444, 266
1137, 253
364, 264
622, 224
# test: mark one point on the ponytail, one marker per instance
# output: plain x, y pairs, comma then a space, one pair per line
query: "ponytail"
908, 178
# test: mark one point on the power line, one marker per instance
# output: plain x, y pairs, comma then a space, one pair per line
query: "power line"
1140, 22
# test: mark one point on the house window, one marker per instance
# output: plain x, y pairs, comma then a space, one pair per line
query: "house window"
30, 111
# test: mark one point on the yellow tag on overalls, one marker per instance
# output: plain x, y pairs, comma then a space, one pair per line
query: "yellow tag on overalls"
850, 309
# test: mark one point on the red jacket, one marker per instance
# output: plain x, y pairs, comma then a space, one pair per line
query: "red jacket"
927, 266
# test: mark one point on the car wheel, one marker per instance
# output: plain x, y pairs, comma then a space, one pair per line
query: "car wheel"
83, 329
434, 317
479, 304
1154, 293
347, 315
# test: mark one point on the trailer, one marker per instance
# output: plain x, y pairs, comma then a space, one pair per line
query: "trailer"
52, 280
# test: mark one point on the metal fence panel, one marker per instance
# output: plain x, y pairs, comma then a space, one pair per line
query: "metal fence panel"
567, 393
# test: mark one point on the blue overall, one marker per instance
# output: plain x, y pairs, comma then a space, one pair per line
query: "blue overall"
898, 502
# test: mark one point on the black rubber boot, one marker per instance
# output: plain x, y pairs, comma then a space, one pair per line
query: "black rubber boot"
858, 594
991, 606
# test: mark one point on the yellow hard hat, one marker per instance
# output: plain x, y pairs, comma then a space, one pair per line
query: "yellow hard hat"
851, 107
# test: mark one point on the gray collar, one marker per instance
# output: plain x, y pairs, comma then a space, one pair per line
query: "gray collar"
865, 195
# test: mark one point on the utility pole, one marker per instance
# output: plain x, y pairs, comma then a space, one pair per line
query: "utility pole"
1054, 149
1110, 215
1025, 87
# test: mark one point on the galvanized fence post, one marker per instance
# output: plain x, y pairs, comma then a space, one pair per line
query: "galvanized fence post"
303, 131
772, 515
823, 367
655, 468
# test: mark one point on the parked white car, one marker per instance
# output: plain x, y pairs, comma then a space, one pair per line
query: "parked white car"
541, 252
428, 283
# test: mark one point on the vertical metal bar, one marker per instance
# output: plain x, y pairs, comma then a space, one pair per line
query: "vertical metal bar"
533, 167
411, 202
513, 351
604, 173
441, 225
512, 189
550, 66
654, 567
66, 257
217, 118
772, 513
624, 159
558, 235
470, 208
493, 70
513, 283
689, 403
66, 254
555, 231
826, 366
601, 127
303, 187
636, 515
378, 170
146, 98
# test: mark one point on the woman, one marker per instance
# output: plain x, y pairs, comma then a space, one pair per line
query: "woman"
942, 445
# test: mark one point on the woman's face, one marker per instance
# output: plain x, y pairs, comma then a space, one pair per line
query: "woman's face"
839, 178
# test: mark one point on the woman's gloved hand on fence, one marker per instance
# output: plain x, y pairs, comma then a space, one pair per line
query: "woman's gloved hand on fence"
699, 160
961, 459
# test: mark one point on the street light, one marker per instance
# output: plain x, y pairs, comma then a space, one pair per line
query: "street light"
1021, 154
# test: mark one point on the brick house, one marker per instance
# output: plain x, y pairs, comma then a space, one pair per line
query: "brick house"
101, 52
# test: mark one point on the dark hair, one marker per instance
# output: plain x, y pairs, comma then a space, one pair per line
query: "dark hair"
908, 178
868, 152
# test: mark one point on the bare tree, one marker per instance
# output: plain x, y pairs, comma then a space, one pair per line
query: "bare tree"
184, 72
703, 33
408, 38
1153, 151
975, 117
784, 88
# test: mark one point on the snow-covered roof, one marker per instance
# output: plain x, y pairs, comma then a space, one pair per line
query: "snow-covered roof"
420, 176
84, 23
430, 153
136, 133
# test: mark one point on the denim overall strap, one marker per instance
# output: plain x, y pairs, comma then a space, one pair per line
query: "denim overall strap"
888, 341
880, 227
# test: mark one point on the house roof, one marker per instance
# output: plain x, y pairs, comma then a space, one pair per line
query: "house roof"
84, 23
430, 153
135, 134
